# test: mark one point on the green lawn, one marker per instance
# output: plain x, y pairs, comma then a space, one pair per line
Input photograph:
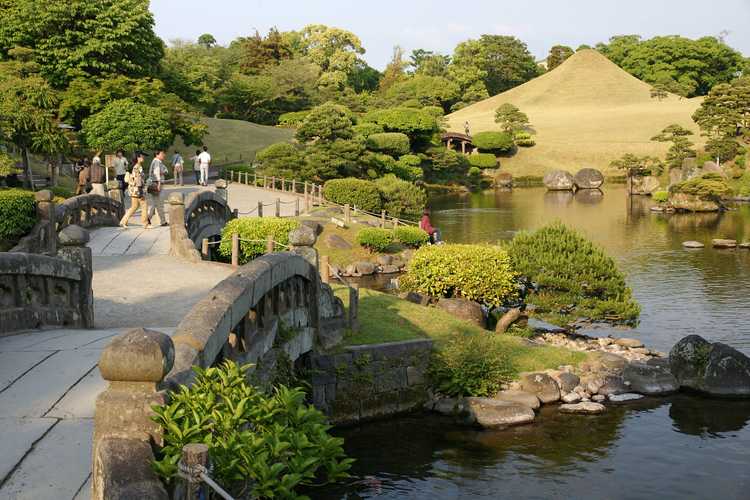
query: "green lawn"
386, 318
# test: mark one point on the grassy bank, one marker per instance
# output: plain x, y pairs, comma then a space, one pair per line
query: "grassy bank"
386, 318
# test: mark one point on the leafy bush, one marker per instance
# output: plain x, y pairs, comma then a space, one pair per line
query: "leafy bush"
476, 272
416, 123
366, 129
293, 119
447, 160
409, 167
269, 444
483, 160
471, 364
474, 173
257, 229
127, 125
660, 196
559, 260
392, 143
7, 165
356, 192
375, 238
280, 159
524, 139
411, 236
500, 142
17, 213
710, 186
401, 199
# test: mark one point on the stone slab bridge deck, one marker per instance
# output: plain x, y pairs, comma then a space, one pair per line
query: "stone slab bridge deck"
49, 379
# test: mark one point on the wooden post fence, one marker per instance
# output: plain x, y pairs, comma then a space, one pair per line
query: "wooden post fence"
278, 207
296, 207
193, 455
324, 272
260, 209
354, 307
235, 250
382, 219
273, 183
347, 214
204, 248
269, 244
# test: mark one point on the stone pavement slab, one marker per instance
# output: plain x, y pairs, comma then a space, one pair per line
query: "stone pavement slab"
57, 467
15, 364
17, 436
80, 400
245, 199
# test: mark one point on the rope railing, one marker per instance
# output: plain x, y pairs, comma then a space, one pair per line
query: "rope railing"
235, 239
194, 471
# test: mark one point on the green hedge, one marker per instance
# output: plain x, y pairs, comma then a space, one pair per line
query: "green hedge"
493, 141
400, 198
416, 123
255, 228
17, 213
293, 119
364, 194
483, 160
392, 143
411, 236
375, 238
524, 139
477, 272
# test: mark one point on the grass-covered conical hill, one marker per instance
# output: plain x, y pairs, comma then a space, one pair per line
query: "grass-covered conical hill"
586, 113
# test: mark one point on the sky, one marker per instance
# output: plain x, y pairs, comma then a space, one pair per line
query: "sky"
439, 25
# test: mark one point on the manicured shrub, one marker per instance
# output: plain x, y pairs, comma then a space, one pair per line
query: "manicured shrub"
262, 445
392, 143
476, 272
411, 236
280, 159
366, 129
256, 229
17, 213
561, 261
711, 186
409, 167
416, 123
474, 173
483, 160
500, 142
447, 160
660, 196
375, 239
401, 198
356, 192
293, 119
436, 111
524, 139
471, 364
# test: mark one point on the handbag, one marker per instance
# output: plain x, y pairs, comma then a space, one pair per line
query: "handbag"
152, 186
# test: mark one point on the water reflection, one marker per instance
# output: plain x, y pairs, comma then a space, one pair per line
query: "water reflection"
589, 196
558, 199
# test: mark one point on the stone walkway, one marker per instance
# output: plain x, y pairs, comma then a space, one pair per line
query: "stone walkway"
49, 379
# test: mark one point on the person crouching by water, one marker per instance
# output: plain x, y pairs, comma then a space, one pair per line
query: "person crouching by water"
136, 192
153, 188
426, 226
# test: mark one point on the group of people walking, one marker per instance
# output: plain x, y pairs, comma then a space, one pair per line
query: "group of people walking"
141, 186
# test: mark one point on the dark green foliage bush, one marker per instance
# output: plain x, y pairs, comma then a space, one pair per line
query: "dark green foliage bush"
471, 364
476, 272
725, 148
524, 139
392, 143
401, 198
375, 239
256, 229
17, 213
416, 123
267, 445
366, 129
447, 160
356, 192
711, 186
499, 142
281, 159
560, 260
411, 236
483, 160
474, 173
61, 192
293, 119
409, 167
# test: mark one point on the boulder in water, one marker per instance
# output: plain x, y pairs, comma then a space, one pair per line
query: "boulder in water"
715, 369
723, 243
559, 180
541, 385
520, 397
585, 407
504, 180
649, 380
643, 184
589, 178
493, 413
692, 244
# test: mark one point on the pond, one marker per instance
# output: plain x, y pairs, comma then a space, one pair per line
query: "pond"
679, 447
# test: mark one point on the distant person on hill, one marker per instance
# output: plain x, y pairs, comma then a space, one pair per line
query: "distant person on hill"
426, 226
83, 176
197, 166
137, 192
466, 127
121, 167
205, 163
153, 188
177, 168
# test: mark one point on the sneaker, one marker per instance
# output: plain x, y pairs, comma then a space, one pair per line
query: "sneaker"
164, 224
148, 226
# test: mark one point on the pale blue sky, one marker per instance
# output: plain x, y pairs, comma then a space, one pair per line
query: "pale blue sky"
439, 25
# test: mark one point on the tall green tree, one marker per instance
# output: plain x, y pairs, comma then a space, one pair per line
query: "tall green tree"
724, 117
206, 40
127, 125
82, 38
428, 63
557, 55
335, 50
680, 146
326, 122
424, 90
257, 52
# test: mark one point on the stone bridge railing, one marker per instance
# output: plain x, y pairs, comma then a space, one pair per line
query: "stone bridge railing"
89, 210
270, 311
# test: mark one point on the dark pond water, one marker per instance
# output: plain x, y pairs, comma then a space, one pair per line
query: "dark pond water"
676, 448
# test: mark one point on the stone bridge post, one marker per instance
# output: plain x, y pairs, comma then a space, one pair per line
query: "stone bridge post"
180, 244
45, 208
133, 364
73, 249
221, 190
302, 242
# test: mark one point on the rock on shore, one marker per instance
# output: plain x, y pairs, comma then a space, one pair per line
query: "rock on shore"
712, 368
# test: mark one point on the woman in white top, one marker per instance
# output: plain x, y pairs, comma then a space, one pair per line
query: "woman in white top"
205, 162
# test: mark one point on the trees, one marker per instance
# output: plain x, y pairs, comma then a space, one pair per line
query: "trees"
557, 55
496, 142
724, 115
427, 62
127, 125
636, 166
206, 40
335, 50
683, 66
425, 90
80, 38
511, 119
195, 72
395, 71
257, 52
681, 145
418, 124
281, 159
326, 122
